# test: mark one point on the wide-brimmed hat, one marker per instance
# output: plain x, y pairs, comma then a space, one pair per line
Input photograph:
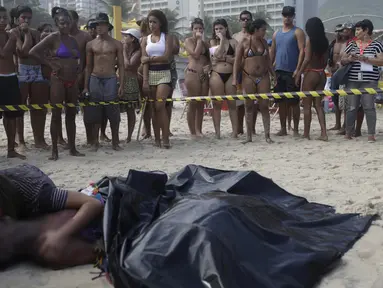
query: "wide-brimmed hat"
103, 18
134, 32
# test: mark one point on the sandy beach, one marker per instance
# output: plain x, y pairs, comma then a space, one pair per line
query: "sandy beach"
345, 174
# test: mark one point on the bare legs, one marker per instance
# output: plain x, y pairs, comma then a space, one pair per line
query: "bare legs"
160, 115
10, 130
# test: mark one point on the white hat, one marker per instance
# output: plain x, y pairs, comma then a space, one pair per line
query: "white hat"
134, 32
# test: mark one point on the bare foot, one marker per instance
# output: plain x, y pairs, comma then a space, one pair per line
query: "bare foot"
217, 136
14, 154
193, 137
347, 137
322, 138
166, 145
157, 143
335, 128
240, 132
146, 136
247, 141
94, 147
342, 131
296, 134
290, 128
55, 156
22, 147
42, 145
357, 134
117, 147
234, 135
105, 138
307, 137
199, 134
268, 140
62, 142
75, 153
128, 140
281, 133
254, 132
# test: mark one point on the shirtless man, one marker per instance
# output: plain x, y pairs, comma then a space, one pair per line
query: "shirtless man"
32, 82
9, 84
244, 18
101, 80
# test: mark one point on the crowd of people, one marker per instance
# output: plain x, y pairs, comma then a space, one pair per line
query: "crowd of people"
66, 64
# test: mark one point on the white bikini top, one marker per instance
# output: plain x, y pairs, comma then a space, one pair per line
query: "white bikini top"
156, 49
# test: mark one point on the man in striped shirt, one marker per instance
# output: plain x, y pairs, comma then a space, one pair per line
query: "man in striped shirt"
365, 55
26, 192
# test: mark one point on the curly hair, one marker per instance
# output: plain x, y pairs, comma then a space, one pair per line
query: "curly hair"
224, 24
164, 27
257, 24
316, 32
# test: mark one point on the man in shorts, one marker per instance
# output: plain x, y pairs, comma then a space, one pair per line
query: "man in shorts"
9, 83
287, 51
101, 80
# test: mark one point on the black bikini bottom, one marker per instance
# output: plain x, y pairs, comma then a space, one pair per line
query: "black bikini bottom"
224, 76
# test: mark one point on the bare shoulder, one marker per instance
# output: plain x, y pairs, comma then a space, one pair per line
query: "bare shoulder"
299, 32
117, 43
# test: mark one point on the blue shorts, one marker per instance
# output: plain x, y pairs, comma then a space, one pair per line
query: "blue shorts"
30, 74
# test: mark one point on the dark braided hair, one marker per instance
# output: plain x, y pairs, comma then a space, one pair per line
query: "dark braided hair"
11, 202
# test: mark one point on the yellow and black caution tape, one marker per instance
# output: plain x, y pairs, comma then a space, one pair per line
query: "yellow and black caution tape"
288, 95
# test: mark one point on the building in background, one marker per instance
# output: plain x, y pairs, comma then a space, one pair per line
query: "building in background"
186, 9
223, 8
85, 8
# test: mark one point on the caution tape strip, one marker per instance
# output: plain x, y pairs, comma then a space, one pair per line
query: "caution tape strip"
288, 95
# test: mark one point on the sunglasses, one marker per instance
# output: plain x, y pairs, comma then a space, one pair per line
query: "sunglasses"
244, 19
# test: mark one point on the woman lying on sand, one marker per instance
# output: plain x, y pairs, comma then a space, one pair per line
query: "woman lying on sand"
26, 193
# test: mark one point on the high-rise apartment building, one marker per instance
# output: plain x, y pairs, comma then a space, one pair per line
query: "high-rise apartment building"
222, 8
85, 8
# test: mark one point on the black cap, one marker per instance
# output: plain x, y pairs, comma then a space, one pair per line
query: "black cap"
103, 18
288, 11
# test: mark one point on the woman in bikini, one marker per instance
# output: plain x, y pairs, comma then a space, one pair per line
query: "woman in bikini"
45, 29
222, 53
65, 65
157, 49
313, 67
197, 77
253, 53
132, 60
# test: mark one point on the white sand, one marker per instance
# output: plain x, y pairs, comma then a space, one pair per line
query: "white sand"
342, 173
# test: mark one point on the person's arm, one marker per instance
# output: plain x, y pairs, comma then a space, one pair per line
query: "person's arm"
270, 64
9, 47
300, 36
38, 50
88, 65
176, 45
307, 59
121, 70
220, 51
133, 61
145, 66
273, 49
347, 57
237, 61
378, 60
196, 51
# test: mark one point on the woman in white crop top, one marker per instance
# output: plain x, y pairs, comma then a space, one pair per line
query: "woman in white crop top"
156, 51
